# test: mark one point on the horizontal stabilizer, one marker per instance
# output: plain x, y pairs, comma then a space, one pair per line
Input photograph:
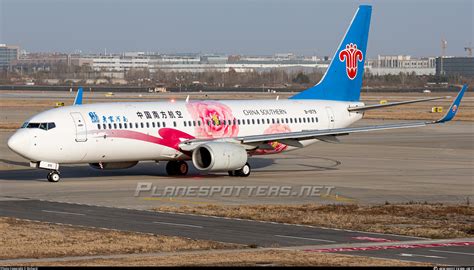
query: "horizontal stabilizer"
378, 106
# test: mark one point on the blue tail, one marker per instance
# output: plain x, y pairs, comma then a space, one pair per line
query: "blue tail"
343, 79
78, 99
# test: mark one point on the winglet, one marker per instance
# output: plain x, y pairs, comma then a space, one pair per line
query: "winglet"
453, 109
78, 99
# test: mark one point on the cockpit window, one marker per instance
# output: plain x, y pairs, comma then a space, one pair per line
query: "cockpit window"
43, 126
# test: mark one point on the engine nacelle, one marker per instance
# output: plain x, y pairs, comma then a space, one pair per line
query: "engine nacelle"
219, 156
113, 165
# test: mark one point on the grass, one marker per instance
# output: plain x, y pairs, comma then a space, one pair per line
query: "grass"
242, 258
27, 239
436, 221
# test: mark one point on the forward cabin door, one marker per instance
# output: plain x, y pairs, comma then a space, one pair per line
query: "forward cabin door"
331, 120
81, 130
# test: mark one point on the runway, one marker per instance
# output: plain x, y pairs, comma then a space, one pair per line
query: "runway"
247, 232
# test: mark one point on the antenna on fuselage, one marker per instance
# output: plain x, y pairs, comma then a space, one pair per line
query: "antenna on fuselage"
187, 99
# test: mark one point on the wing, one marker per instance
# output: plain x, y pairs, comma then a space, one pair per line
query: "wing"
328, 135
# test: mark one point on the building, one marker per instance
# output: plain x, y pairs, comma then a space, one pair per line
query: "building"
396, 64
455, 66
8, 53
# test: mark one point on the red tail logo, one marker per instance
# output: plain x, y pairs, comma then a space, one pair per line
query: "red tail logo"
352, 56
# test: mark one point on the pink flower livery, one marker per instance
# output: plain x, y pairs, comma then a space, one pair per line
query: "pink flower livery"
277, 147
217, 115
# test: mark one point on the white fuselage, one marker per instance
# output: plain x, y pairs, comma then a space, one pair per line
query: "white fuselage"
136, 131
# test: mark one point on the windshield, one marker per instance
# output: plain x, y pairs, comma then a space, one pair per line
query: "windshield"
43, 126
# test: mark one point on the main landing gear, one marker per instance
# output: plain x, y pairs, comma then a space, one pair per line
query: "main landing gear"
54, 176
177, 168
243, 172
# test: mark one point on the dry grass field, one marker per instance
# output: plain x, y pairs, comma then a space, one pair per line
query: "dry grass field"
29, 239
421, 220
242, 258
13, 107
26, 239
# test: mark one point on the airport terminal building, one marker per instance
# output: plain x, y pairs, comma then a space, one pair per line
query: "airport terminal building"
8, 53
455, 66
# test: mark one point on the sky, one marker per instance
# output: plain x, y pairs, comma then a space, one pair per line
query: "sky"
264, 27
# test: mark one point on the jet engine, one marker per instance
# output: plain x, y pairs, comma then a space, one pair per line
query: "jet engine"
113, 165
219, 156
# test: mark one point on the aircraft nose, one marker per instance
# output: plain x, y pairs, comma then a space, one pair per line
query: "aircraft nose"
19, 142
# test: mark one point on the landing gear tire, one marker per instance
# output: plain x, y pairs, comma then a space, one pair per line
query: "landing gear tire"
243, 172
177, 168
54, 176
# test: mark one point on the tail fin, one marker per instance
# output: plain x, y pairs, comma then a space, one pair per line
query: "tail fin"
343, 78
78, 99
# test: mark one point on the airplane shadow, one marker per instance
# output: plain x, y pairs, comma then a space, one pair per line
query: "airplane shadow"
148, 169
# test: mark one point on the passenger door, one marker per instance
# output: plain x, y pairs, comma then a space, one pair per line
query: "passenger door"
81, 129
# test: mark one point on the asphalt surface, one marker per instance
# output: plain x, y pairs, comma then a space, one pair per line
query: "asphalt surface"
247, 232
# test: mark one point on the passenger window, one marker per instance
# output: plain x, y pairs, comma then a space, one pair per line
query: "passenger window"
174, 123
147, 125
153, 124
141, 124
253, 121
164, 124
157, 124
273, 120
110, 126
120, 125
184, 123
115, 125
104, 126
98, 126
199, 122
316, 119
258, 121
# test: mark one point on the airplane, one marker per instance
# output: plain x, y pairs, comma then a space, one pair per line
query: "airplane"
216, 135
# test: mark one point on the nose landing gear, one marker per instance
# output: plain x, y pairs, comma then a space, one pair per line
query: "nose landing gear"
54, 176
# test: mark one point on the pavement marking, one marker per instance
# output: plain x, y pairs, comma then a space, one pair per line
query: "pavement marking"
304, 238
178, 224
454, 252
399, 245
420, 255
65, 213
